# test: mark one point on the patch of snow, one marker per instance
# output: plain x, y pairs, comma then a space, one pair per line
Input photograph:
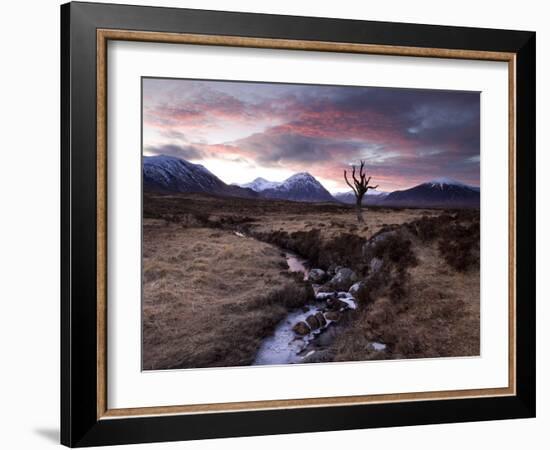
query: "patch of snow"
444, 181
299, 187
378, 346
346, 297
323, 295
166, 170
299, 179
261, 184
376, 193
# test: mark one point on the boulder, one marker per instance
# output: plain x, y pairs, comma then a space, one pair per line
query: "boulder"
313, 322
370, 245
335, 304
320, 296
343, 279
321, 319
327, 337
333, 269
375, 265
325, 288
316, 276
301, 328
333, 316
356, 288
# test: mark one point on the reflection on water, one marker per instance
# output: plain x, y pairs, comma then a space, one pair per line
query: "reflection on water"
296, 264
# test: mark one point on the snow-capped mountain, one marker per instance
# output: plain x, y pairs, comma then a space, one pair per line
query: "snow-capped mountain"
170, 174
440, 192
261, 184
372, 197
443, 182
300, 187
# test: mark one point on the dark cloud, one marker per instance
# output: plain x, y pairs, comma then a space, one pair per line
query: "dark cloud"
180, 151
278, 146
425, 117
407, 135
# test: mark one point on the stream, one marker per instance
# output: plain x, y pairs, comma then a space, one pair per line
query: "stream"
285, 346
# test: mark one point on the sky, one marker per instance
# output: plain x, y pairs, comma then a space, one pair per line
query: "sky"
244, 130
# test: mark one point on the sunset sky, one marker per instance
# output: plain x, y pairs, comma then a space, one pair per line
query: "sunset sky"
240, 131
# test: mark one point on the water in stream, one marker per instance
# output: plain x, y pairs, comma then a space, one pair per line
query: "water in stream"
284, 346
296, 264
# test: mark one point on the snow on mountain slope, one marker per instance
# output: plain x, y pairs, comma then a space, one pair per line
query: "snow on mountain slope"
442, 182
261, 184
301, 187
170, 174
441, 192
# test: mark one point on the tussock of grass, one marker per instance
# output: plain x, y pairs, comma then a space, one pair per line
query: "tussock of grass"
457, 235
432, 312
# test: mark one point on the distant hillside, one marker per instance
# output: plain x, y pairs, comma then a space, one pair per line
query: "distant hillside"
300, 187
372, 197
441, 192
261, 184
170, 174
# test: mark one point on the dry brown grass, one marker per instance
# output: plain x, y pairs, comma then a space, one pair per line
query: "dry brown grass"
438, 316
324, 233
265, 216
209, 296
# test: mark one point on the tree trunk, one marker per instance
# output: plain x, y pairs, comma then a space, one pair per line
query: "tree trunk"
359, 209
359, 187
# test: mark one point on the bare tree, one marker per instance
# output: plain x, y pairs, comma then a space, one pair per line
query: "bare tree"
360, 187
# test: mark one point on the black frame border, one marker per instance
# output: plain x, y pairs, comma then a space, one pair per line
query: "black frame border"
79, 423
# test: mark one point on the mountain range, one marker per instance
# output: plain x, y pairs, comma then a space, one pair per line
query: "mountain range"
170, 174
260, 184
440, 192
300, 187
372, 197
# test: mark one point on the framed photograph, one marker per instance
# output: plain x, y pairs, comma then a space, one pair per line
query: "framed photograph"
277, 224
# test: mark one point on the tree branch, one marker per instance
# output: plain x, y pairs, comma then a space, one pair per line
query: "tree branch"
357, 183
349, 184
361, 185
